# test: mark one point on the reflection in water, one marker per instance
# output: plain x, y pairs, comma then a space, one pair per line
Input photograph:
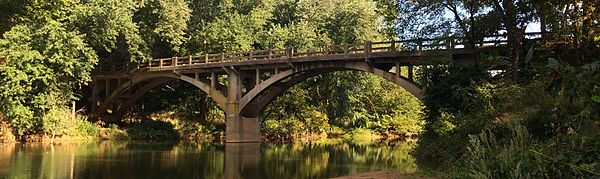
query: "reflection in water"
136, 159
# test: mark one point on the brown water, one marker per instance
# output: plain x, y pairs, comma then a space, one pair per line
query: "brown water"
143, 159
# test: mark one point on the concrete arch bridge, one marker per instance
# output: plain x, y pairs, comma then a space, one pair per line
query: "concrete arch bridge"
256, 78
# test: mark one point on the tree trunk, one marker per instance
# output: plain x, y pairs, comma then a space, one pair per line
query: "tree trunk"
542, 15
510, 21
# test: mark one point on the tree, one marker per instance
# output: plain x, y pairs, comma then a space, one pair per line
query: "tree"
44, 61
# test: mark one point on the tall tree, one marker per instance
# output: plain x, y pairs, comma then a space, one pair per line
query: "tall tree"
44, 61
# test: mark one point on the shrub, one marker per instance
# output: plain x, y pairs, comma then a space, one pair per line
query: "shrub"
362, 135
489, 157
59, 121
282, 130
149, 129
114, 133
6, 133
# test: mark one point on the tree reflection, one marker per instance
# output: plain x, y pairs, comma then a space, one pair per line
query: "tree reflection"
131, 159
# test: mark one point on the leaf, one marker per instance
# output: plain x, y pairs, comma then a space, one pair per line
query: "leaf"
596, 99
529, 55
592, 65
553, 63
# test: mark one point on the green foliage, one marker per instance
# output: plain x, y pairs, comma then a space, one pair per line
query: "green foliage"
149, 129
111, 30
282, 130
56, 121
86, 129
114, 133
490, 158
163, 24
60, 122
515, 156
43, 62
362, 135
554, 102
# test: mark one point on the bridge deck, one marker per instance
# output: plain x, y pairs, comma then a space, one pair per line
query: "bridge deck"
408, 52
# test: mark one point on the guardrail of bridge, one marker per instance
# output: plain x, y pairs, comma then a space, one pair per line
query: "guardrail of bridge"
367, 48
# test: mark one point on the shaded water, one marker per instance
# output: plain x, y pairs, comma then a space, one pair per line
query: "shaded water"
137, 159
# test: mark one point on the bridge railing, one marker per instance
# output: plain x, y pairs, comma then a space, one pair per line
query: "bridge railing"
367, 48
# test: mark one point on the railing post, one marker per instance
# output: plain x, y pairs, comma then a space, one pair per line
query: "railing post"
308, 52
251, 55
206, 58
234, 57
326, 49
368, 46
160, 63
420, 44
451, 42
345, 48
398, 69
393, 46
290, 52
257, 77
222, 57
174, 61
190, 60
270, 54
410, 73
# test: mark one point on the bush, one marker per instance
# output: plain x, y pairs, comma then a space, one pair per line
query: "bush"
149, 129
489, 157
191, 130
86, 128
521, 156
6, 133
114, 133
282, 130
59, 121
555, 104
362, 135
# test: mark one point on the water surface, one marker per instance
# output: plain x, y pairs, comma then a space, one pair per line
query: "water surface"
144, 159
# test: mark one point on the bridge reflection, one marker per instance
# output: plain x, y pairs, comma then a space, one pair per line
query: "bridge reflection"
146, 159
242, 160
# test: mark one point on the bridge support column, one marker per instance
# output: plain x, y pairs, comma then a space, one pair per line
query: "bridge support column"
237, 127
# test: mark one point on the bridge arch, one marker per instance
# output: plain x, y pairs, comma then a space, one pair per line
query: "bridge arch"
261, 95
155, 79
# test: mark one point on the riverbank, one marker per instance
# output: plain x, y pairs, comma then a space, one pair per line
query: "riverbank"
382, 175
170, 126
